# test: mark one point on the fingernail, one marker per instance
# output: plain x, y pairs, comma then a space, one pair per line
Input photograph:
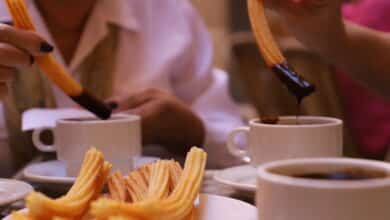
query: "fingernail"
46, 48
32, 60
113, 105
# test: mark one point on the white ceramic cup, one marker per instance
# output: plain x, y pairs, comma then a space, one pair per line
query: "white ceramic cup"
118, 138
281, 196
312, 137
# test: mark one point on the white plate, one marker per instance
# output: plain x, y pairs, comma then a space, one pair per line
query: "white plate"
12, 191
242, 178
55, 171
212, 207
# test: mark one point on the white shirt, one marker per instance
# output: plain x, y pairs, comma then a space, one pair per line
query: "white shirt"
165, 45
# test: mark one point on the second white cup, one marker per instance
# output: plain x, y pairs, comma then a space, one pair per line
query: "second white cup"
307, 136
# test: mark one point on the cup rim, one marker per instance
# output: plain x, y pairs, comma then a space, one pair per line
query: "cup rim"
123, 118
329, 122
265, 173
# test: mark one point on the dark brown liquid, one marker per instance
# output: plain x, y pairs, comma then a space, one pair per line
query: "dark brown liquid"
272, 120
296, 85
343, 175
90, 119
301, 121
82, 119
298, 112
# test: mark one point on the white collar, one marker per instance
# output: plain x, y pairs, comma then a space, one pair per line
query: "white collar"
118, 12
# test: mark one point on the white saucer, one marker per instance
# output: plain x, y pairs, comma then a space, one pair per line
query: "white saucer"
12, 191
214, 207
55, 171
242, 178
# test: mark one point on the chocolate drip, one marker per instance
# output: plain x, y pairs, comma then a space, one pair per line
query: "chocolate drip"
296, 85
91, 103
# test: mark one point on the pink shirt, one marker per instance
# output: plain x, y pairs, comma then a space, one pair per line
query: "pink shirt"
163, 44
367, 114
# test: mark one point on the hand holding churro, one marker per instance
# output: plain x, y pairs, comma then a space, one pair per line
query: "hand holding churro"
54, 71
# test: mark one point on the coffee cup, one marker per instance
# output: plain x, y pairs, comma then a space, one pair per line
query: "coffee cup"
324, 189
291, 137
118, 138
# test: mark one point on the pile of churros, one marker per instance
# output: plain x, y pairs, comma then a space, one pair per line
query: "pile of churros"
161, 190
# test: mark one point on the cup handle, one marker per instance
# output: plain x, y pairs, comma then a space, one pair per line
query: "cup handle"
36, 138
234, 149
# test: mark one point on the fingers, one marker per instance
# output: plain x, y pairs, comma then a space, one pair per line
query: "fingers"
144, 110
133, 101
13, 57
25, 40
138, 99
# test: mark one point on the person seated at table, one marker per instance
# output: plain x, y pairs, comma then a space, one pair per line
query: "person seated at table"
152, 57
359, 46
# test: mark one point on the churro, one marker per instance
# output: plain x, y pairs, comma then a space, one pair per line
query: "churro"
159, 181
175, 172
75, 203
20, 216
137, 183
117, 187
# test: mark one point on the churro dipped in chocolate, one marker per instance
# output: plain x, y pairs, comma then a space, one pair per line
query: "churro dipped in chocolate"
273, 57
53, 70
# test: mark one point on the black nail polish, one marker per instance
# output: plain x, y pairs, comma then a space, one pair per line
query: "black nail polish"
32, 60
46, 48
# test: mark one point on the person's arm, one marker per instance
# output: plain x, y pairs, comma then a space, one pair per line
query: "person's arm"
365, 55
361, 52
205, 89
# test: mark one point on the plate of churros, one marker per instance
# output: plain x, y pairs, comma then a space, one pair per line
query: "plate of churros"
160, 190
